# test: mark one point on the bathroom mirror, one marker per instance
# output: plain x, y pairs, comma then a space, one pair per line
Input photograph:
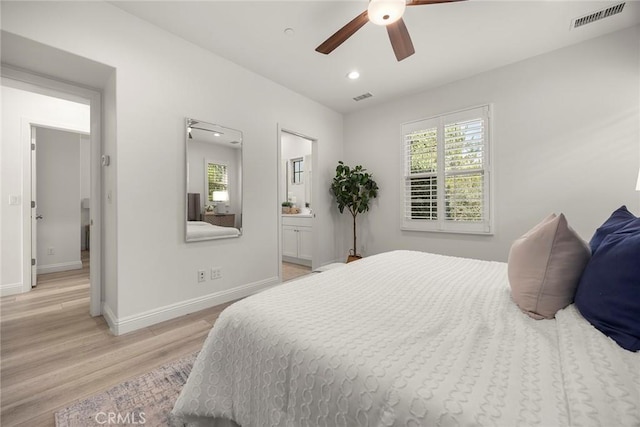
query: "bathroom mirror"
214, 181
297, 175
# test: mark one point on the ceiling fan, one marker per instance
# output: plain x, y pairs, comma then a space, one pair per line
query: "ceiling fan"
381, 12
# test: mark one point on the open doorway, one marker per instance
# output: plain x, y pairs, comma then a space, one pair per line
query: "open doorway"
63, 76
296, 201
60, 188
35, 106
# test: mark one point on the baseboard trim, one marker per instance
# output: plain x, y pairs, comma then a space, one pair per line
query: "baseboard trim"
62, 266
109, 317
10, 289
119, 326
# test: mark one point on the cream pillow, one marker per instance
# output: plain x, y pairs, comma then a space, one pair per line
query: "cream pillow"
545, 266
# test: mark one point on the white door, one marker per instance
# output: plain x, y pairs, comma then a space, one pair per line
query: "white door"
34, 214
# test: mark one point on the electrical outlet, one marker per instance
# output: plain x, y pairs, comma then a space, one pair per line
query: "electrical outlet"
202, 276
51, 251
216, 273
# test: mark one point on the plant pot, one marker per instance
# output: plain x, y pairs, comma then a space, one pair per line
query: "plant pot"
351, 258
286, 210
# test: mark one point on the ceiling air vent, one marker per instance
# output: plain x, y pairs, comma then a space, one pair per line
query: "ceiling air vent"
363, 96
596, 16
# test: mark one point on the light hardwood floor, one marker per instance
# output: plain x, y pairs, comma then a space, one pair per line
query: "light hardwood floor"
292, 271
52, 353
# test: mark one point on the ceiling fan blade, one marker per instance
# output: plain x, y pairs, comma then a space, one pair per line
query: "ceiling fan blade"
343, 34
400, 40
423, 2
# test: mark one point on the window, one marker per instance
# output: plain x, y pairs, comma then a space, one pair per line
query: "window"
217, 182
447, 173
296, 169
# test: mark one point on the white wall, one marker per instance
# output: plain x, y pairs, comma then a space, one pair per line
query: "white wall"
109, 232
294, 147
160, 80
565, 139
20, 107
58, 200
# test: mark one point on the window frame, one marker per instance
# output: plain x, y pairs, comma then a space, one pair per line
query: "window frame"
442, 225
300, 173
207, 162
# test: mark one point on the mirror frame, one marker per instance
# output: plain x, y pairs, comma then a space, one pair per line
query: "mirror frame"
189, 122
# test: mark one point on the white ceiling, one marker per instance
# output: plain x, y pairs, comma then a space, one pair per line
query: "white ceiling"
215, 134
452, 40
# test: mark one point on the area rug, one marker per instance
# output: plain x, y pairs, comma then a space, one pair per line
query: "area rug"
145, 400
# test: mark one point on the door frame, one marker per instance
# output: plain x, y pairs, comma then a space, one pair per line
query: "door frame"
314, 195
46, 86
33, 135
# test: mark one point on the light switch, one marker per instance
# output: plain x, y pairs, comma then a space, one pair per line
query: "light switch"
14, 200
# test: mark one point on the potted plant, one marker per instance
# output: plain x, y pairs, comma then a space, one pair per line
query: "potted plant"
353, 189
286, 207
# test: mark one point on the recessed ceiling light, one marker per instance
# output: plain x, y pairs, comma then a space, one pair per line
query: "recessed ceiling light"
353, 75
289, 32
216, 134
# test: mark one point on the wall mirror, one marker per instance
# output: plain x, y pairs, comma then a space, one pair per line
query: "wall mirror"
214, 181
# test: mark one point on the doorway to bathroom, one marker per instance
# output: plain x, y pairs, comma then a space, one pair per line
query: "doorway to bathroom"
295, 191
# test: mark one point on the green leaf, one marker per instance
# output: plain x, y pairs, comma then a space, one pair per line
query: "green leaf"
353, 188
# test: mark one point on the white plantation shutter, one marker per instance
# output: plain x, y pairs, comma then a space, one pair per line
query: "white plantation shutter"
421, 174
217, 182
464, 169
446, 173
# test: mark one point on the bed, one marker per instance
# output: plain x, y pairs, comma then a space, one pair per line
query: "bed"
200, 230
406, 339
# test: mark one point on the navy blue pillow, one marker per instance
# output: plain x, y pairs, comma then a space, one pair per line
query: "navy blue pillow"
608, 294
618, 220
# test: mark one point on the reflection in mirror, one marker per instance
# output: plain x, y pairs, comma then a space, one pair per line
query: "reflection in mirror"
296, 170
214, 181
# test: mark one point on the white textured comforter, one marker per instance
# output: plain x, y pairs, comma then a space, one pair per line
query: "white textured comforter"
407, 339
200, 230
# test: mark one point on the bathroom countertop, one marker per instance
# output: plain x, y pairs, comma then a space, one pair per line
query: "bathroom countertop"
300, 215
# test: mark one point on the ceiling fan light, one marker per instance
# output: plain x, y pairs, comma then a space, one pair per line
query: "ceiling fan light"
385, 12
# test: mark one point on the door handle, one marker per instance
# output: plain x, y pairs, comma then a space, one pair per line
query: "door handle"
38, 216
